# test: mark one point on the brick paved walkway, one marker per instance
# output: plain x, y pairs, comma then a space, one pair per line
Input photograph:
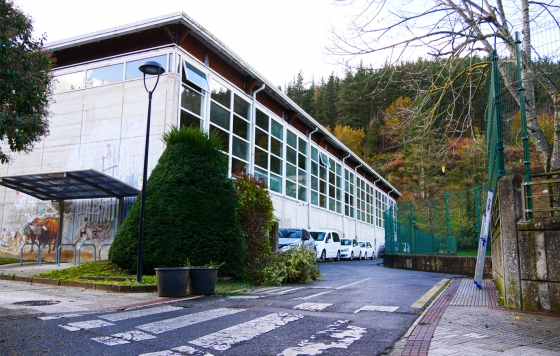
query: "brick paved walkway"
467, 321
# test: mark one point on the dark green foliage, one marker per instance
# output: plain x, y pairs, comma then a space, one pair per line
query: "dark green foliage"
25, 82
190, 209
293, 266
255, 213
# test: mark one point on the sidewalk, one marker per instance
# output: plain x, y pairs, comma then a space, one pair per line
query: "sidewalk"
467, 321
21, 295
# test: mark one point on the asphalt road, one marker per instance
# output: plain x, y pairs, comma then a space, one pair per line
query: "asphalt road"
359, 308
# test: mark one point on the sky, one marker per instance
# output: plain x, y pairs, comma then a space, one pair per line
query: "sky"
278, 38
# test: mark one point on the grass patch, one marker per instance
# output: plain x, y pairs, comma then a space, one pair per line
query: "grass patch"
5, 261
106, 272
471, 252
101, 272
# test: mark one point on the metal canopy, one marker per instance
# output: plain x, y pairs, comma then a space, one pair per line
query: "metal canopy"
75, 184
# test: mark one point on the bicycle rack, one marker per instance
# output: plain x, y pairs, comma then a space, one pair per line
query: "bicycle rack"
21, 251
80, 253
58, 252
40, 253
99, 250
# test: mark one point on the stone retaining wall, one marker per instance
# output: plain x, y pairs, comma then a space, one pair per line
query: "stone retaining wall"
464, 266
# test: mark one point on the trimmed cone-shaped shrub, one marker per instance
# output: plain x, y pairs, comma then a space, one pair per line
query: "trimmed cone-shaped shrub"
190, 209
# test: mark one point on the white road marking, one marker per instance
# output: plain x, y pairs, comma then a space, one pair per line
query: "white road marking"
271, 290
314, 295
138, 313
90, 324
123, 338
288, 290
59, 316
312, 306
245, 297
351, 284
224, 339
345, 339
376, 308
476, 336
162, 326
183, 349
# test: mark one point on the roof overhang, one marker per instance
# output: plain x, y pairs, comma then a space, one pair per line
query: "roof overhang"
73, 184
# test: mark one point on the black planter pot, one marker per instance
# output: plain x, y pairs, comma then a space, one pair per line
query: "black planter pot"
202, 280
172, 281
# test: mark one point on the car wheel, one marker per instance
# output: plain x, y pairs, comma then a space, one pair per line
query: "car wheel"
323, 256
352, 256
372, 256
365, 256
338, 256
360, 256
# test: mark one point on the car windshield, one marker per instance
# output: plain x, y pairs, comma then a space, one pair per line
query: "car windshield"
362, 244
345, 242
317, 236
289, 233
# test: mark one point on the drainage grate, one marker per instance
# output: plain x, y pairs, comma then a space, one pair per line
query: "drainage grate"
36, 303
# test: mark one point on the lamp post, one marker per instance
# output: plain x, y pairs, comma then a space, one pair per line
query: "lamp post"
150, 68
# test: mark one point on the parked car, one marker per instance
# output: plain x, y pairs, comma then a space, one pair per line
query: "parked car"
382, 252
350, 249
366, 250
327, 244
289, 238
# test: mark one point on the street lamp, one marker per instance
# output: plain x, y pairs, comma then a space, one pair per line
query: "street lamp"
150, 68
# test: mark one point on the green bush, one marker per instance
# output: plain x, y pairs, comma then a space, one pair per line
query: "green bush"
298, 265
190, 209
256, 216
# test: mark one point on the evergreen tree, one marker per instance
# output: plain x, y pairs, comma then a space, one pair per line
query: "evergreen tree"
190, 209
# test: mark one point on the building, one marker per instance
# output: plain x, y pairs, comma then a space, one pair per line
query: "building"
95, 151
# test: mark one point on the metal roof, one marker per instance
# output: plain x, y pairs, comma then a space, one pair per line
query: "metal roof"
74, 184
225, 53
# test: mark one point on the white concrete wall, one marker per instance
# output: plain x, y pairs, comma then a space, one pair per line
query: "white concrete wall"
102, 128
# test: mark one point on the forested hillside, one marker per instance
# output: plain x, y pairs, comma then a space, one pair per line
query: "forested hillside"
420, 124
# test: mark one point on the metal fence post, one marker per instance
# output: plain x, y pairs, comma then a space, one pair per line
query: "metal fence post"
447, 222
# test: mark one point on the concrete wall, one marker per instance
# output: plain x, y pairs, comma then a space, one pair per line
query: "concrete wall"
525, 254
460, 265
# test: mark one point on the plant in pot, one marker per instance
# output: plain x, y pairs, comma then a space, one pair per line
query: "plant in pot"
202, 279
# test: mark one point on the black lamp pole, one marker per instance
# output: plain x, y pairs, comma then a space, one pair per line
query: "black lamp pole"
152, 68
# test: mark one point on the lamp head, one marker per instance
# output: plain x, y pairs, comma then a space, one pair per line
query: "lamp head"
151, 68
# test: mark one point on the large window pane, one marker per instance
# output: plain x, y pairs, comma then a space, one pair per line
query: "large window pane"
240, 127
314, 154
314, 198
291, 156
221, 94
302, 161
314, 183
261, 139
132, 70
196, 76
191, 100
241, 107
240, 148
291, 189
219, 116
302, 146
291, 139
275, 183
260, 174
262, 120
261, 158
69, 82
276, 147
224, 136
275, 165
302, 193
276, 129
314, 169
238, 167
188, 119
291, 172
104, 75
302, 177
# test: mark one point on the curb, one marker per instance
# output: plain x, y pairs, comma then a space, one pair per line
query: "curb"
79, 284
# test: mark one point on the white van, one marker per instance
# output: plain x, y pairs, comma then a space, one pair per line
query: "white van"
327, 244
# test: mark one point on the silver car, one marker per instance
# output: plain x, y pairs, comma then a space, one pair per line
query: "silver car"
289, 238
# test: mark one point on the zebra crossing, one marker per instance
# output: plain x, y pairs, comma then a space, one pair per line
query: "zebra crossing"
217, 341
228, 327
